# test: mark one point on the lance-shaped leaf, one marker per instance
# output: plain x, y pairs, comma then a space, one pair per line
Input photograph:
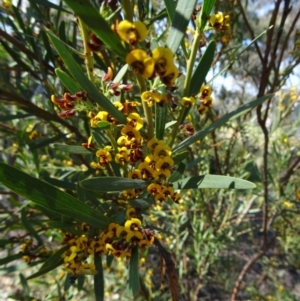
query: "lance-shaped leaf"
67, 81
82, 80
51, 263
72, 149
202, 69
161, 115
10, 258
180, 21
170, 8
98, 279
50, 197
133, 285
112, 184
205, 12
230, 116
91, 17
213, 181
177, 174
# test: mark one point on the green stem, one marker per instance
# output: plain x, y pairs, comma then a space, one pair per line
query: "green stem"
147, 109
127, 9
187, 82
190, 64
88, 54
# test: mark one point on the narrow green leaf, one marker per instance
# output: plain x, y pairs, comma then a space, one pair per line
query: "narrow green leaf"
205, 12
80, 282
141, 203
180, 21
72, 149
103, 125
25, 286
170, 6
51, 263
134, 281
62, 31
230, 116
112, 184
202, 69
10, 258
82, 79
50, 197
213, 181
60, 183
28, 226
170, 123
91, 17
121, 74
177, 174
98, 279
67, 81
4, 242
161, 116
59, 225
179, 157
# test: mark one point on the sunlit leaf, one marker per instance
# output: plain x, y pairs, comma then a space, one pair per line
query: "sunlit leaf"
205, 12
112, 184
213, 181
180, 21
202, 69
230, 116
72, 149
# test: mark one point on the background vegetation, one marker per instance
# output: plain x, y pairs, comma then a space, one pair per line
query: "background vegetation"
227, 244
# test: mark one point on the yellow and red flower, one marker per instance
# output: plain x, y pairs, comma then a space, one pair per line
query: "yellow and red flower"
132, 32
141, 63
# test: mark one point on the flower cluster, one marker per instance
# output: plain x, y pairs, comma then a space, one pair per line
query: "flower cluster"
206, 100
219, 21
68, 102
137, 153
117, 240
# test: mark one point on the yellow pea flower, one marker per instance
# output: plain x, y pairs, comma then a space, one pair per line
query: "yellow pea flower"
132, 227
131, 132
104, 156
135, 120
205, 91
141, 63
132, 33
170, 76
163, 60
188, 101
